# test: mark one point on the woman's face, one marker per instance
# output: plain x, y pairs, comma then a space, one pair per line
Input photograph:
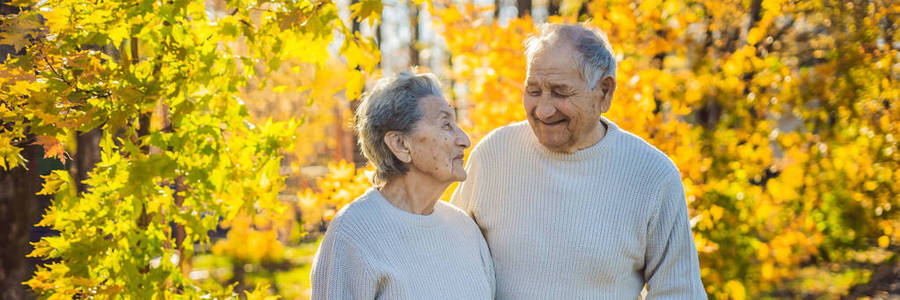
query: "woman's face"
436, 143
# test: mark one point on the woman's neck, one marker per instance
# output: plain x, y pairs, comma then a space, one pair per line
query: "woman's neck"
414, 194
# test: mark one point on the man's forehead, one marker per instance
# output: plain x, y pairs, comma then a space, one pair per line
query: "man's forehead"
552, 75
553, 63
555, 50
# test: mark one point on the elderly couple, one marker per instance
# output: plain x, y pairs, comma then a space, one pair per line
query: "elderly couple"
564, 206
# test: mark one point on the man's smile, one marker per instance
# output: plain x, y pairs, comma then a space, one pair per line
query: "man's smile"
554, 123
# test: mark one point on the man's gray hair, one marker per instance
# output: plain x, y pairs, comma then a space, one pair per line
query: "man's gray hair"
595, 58
393, 105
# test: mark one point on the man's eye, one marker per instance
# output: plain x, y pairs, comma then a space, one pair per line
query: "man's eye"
535, 93
561, 94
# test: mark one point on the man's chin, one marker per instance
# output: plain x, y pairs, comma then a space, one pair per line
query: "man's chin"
555, 145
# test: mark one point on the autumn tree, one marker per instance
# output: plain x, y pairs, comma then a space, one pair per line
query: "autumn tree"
159, 82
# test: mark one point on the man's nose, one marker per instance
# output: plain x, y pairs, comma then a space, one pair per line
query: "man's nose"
544, 111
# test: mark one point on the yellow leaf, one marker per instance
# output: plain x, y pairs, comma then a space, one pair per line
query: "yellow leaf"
279, 89
21, 87
118, 34
53, 181
41, 249
884, 241
367, 9
870, 185
716, 212
16, 31
755, 35
735, 290
768, 271
762, 252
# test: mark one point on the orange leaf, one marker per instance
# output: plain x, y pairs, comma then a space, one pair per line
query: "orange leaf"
53, 148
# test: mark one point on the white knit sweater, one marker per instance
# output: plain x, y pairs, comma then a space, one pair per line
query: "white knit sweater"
595, 224
373, 250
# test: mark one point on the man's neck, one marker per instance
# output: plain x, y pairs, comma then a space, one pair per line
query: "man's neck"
595, 135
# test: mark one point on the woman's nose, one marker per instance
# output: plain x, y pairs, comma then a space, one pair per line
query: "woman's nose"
463, 139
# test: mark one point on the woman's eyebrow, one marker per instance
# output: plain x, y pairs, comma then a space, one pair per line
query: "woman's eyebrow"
449, 114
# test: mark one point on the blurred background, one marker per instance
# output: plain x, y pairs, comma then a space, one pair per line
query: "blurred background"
783, 117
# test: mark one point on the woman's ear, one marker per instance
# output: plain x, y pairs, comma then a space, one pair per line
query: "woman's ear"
396, 141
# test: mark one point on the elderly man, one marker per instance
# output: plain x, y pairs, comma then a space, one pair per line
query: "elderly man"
571, 205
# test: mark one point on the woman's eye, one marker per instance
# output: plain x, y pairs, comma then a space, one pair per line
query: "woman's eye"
447, 126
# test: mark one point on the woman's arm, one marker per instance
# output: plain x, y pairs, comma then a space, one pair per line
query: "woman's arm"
341, 270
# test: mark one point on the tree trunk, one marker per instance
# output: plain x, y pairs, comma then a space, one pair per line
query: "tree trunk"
87, 155
583, 10
18, 206
553, 7
755, 13
413, 33
19, 211
524, 7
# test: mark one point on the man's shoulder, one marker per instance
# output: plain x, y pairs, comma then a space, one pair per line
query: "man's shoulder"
638, 149
453, 214
459, 220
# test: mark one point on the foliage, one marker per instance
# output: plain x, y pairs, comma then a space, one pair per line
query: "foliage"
337, 188
320, 95
179, 154
493, 69
781, 115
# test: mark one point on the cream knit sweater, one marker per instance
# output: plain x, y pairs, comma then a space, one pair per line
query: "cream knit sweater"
595, 224
373, 250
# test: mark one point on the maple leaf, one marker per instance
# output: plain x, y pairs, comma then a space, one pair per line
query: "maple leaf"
53, 148
18, 40
367, 9
17, 30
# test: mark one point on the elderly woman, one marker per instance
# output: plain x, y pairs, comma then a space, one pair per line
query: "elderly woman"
397, 241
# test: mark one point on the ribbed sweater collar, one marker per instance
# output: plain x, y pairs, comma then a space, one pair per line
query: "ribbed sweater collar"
400, 215
598, 149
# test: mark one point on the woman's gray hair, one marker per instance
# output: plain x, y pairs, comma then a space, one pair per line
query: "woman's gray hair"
596, 58
393, 105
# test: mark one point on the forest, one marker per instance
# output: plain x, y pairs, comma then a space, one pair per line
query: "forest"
155, 149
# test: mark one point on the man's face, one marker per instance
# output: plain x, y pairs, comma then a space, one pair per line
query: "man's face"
562, 109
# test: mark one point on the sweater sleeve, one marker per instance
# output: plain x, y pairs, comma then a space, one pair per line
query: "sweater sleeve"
488, 263
671, 269
340, 270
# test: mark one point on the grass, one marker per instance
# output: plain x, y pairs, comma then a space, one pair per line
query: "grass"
288, 278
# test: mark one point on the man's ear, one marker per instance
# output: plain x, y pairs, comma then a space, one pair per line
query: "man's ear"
396, 141
605, 89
